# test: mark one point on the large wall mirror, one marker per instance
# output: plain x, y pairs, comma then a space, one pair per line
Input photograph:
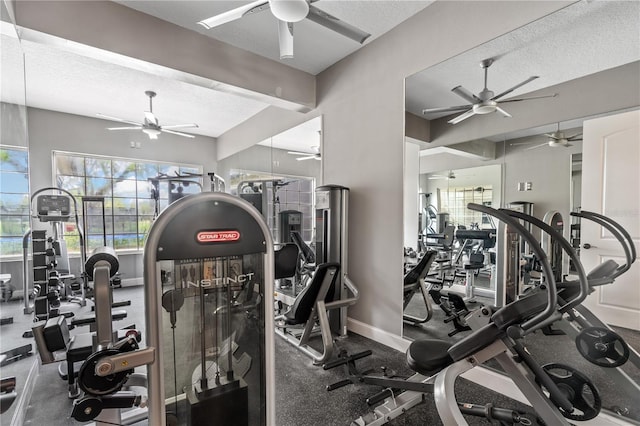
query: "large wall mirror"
579, 64
14, 189
279, 174
576, 64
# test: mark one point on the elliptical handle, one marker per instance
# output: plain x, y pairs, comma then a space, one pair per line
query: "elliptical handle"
582, 276
552, 296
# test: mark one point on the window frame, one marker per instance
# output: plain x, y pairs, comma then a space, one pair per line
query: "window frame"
23, 218
460, 215
113, 219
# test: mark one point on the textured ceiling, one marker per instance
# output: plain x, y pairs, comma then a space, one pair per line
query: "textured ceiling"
579, 40
573, 42
59, 80
315, 47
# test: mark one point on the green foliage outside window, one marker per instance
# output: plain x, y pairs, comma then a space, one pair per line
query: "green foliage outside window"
124, 184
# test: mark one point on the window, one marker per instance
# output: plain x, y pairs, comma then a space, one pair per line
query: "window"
14, 198
454, 201
127, 190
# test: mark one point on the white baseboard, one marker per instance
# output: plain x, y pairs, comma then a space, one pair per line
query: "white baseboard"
132, 282
388, 339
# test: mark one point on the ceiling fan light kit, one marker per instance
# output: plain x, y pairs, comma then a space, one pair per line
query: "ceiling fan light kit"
554, 140
289, 10
485, 102
150, 126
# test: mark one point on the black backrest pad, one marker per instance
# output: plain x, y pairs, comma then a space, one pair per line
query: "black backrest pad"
286, 260
323, 279
603, 270
421, 268
520, 310
474, 342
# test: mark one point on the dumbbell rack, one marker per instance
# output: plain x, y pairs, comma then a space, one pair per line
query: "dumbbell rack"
46, 280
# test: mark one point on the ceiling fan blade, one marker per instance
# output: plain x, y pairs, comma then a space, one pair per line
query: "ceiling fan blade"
576, 137
466, 95
503, 112
538, 146
506, 92
178, 133
529, 98
308, 157
234, 14
179, 126
445, 109
328, 21
108, 117
461, 117
298, 153
125, 128
285, 39
150, 117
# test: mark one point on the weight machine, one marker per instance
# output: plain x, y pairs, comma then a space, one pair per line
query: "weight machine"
558, 393
47, 271
216, 319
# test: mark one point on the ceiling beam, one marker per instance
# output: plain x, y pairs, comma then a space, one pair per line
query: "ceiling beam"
115, 28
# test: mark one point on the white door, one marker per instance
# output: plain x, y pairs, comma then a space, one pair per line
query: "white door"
611, 186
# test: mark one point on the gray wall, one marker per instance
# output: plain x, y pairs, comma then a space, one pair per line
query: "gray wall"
549, 171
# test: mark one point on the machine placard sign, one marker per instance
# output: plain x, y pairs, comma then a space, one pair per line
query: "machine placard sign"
208, 237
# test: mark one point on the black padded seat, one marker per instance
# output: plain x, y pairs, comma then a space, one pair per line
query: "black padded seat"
305, 301
478, 340
428, 356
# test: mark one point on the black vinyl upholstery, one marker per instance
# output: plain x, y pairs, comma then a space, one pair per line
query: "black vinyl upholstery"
428, 355
286, 260
323, 280
419, 271
421, 268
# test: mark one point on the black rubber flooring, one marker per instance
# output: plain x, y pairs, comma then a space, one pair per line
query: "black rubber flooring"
301, 398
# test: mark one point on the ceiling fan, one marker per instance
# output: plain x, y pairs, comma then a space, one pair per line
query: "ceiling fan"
150, 126
555, 140
484, 102
307, 156
448, 176
287, 12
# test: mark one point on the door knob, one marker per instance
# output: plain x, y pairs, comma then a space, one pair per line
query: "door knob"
587, 246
